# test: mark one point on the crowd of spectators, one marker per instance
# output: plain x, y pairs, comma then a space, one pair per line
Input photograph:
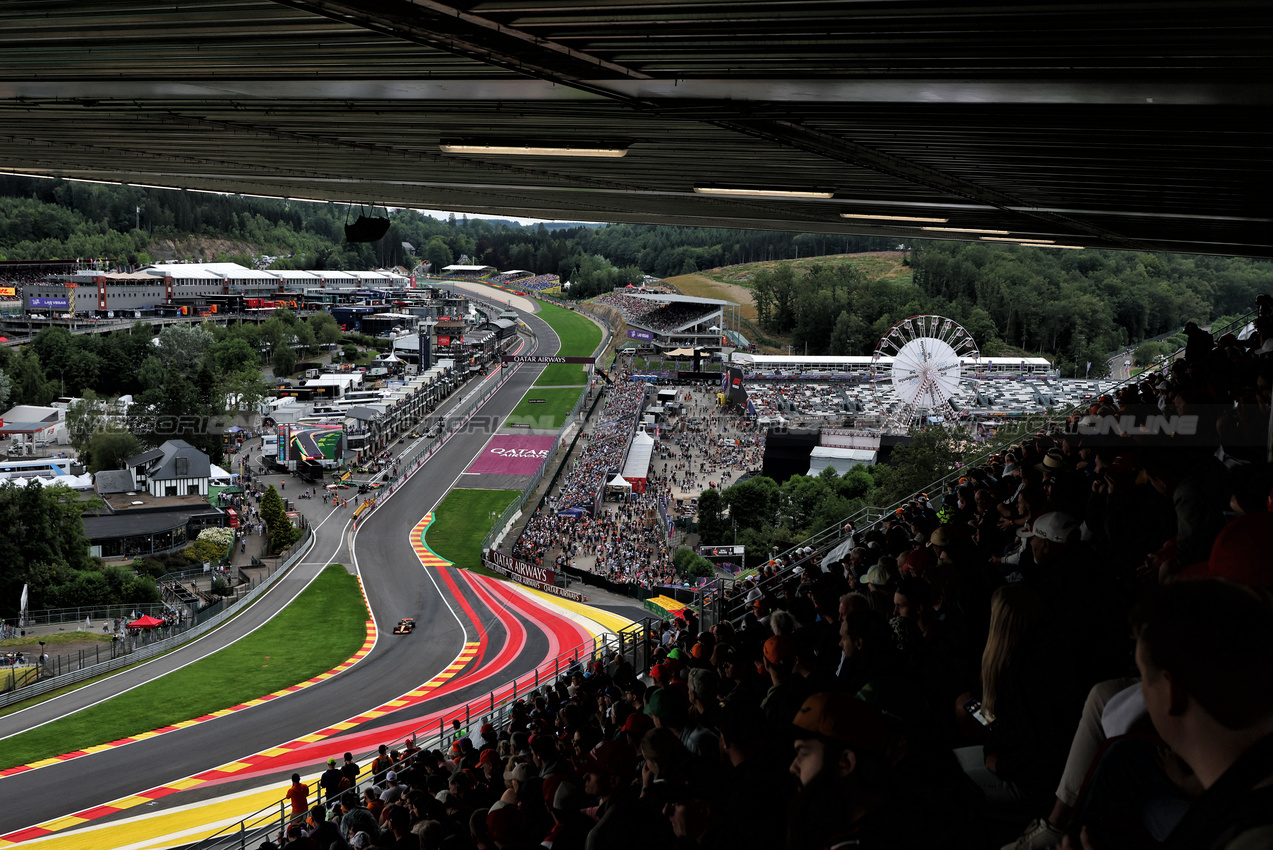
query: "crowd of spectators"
671, 317
627, 543
633, 309
604, 445
1072, 643
537, 283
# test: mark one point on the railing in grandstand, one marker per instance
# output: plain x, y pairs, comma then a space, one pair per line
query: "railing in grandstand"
632, 643
833, 535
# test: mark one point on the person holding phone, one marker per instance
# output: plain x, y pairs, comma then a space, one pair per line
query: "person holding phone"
1027, 711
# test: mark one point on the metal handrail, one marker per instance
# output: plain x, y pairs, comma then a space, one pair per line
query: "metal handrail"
632, 640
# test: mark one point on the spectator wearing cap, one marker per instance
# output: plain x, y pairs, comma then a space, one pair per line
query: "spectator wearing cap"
846, 792
634, 727
570, 825
787, 688
490, 769
381, 764
622, 822
1084, 598
329, 782
393, 787
355, 818
398, 835
696, 808
669, 708
877, 584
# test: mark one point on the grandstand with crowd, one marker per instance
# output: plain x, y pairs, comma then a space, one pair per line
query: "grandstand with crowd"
1069, 641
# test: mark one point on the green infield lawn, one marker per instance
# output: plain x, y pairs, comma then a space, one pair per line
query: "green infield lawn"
579, 338
549, 414
461, 522
320, 630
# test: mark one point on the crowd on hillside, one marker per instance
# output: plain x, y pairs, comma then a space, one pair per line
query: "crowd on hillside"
626, 543
604, 445
536, 283
633, 309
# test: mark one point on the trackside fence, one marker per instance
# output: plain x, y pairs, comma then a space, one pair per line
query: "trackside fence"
133, 653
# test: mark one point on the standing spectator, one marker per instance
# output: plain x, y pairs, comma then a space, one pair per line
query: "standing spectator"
330, 781
349, 772
298, 795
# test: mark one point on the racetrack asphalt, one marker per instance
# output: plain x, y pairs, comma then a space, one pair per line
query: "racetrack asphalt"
396, 585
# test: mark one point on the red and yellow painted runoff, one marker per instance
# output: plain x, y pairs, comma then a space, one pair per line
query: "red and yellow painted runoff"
250, 764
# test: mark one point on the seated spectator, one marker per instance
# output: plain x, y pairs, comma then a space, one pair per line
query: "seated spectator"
846, 795
1204, 650
1026, 696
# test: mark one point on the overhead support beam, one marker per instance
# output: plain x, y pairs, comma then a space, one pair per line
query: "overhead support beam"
456, 31
802, 138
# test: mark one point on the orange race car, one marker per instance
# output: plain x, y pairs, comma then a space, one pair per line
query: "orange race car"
405, 626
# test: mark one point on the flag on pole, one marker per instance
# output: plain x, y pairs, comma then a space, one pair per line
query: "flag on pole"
1089, 366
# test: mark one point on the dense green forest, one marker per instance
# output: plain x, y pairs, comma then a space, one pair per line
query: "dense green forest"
47, 219
1076, 306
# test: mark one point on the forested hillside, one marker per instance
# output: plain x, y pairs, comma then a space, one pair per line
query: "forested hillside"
1075, 306
47, 219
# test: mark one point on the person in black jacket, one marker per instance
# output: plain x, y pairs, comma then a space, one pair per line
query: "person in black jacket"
1026, 704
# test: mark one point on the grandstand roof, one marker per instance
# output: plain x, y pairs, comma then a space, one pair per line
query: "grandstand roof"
1117, 124
459, 268
678, 299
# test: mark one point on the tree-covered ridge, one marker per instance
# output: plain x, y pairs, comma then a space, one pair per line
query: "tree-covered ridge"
47, 219
1076, 306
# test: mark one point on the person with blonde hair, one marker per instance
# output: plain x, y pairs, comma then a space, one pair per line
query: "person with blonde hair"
1028, 709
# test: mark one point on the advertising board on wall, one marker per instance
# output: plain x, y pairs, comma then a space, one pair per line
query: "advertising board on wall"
528, 574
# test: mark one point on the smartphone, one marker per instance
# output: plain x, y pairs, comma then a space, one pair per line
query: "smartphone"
973, 707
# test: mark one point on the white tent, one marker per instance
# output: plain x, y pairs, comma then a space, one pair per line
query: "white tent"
619, 483
637, 466
219, 477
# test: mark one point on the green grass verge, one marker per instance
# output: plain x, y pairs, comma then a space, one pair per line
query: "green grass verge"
61, 637
461, 522
286, 650
548, 415
579, 338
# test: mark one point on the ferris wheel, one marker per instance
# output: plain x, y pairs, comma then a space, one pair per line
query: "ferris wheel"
917, 366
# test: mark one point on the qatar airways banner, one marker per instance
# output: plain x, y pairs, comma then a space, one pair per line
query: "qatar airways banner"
510, 454
529, 575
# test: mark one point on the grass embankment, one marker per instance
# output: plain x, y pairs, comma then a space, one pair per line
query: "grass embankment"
55, 639
548, 415
462, 521
579, 338
285, 651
